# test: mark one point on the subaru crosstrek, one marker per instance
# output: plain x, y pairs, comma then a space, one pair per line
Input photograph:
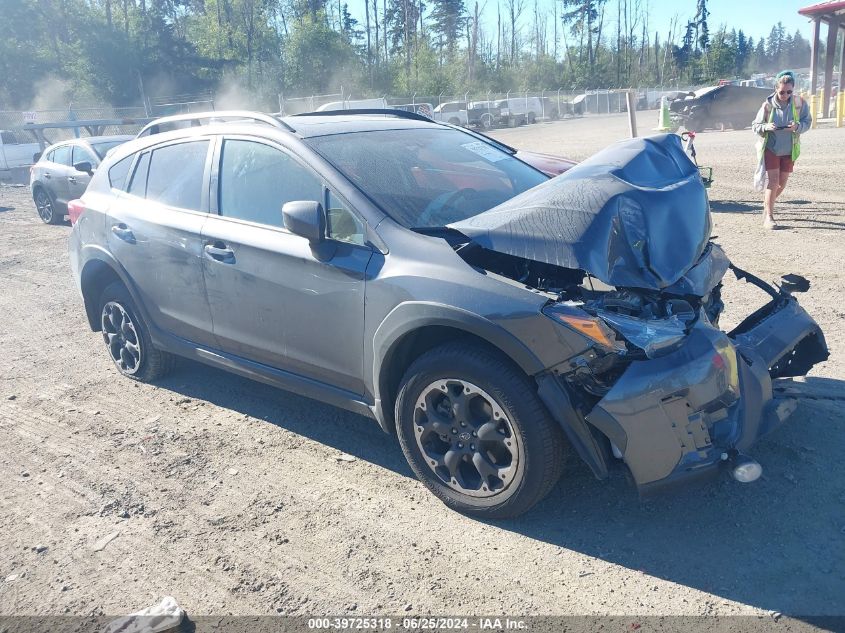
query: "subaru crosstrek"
426, 277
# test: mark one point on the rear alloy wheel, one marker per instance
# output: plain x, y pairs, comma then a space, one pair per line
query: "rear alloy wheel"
46, 207
486, 121
475, 433
127, 339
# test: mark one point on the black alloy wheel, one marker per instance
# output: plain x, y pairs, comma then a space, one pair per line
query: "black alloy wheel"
127, 337
46, 207
466, 438
121, 338
475, 432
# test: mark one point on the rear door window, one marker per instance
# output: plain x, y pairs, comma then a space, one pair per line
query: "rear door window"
176, 174
257, 179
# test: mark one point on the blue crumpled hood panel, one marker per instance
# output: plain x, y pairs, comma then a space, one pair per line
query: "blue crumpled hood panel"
635, 214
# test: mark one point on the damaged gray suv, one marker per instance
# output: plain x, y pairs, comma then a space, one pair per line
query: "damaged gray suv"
426, 277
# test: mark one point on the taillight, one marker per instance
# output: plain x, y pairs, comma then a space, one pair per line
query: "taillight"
74, 210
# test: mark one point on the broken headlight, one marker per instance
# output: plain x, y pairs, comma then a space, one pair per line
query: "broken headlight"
655, 337
593, 328
611, 330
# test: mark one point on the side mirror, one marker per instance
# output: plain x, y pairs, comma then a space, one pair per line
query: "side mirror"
305, 218
84, 166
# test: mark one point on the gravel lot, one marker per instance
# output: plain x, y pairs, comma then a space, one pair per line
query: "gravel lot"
236, 498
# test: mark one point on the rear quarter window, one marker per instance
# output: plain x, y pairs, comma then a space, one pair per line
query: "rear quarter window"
119, 172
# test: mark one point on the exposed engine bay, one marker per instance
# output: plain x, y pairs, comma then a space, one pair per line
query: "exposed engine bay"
643, 323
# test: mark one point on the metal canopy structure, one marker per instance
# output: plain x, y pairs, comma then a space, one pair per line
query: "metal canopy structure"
832, 13
94, 127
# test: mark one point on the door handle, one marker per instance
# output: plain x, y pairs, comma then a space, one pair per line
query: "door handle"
219, 252
124, 233
47, 175
71, 179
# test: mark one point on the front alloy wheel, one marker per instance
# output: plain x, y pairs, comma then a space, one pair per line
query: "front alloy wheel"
466, 438
475, 432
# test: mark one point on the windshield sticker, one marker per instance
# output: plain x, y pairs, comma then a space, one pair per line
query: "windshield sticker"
487, 152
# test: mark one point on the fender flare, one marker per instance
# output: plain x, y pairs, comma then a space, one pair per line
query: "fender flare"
93, 255
409, 317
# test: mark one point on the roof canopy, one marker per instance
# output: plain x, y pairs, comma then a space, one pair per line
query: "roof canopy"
829, 10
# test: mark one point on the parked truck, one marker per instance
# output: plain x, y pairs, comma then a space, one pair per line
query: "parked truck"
15, 154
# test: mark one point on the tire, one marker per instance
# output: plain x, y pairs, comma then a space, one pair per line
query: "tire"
45, 206
488, 418
532, 119
454, 121
123, 330
693, 125
487, 121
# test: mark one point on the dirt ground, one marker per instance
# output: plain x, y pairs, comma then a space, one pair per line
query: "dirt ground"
236, 498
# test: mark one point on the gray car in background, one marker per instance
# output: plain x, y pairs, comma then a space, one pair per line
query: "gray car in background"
64, 170
426, 277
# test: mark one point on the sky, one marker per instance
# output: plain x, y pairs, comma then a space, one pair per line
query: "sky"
755, 17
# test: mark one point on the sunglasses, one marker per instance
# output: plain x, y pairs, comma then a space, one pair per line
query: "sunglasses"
784, 92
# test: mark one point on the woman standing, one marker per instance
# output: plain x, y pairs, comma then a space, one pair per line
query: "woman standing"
782, 118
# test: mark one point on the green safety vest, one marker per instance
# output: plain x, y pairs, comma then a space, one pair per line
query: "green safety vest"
796, 138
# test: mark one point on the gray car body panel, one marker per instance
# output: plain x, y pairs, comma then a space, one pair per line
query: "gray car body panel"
340, 318
681, 412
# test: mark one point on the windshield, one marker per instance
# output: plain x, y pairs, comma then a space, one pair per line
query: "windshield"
427, 177
103, 148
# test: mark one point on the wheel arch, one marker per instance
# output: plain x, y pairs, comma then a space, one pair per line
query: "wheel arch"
100, 270
413, 329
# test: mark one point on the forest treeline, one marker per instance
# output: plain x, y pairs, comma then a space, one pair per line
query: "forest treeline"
106, 50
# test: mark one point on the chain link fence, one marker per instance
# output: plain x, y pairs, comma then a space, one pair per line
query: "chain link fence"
474, 108
537, 105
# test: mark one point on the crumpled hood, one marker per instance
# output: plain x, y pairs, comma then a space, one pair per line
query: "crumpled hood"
635, 214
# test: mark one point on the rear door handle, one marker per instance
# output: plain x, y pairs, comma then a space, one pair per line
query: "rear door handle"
124, 233
219, 252
47, 175
71, 179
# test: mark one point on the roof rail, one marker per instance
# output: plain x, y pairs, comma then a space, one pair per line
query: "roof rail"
399, 114
258, 117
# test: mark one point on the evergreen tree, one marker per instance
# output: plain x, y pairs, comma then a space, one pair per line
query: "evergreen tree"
743, 50
701, 28
449, 20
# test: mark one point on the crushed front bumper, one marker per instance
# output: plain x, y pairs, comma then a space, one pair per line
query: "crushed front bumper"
678, 416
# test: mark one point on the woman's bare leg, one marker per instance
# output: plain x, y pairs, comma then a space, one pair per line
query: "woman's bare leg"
769, 197
784, 176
